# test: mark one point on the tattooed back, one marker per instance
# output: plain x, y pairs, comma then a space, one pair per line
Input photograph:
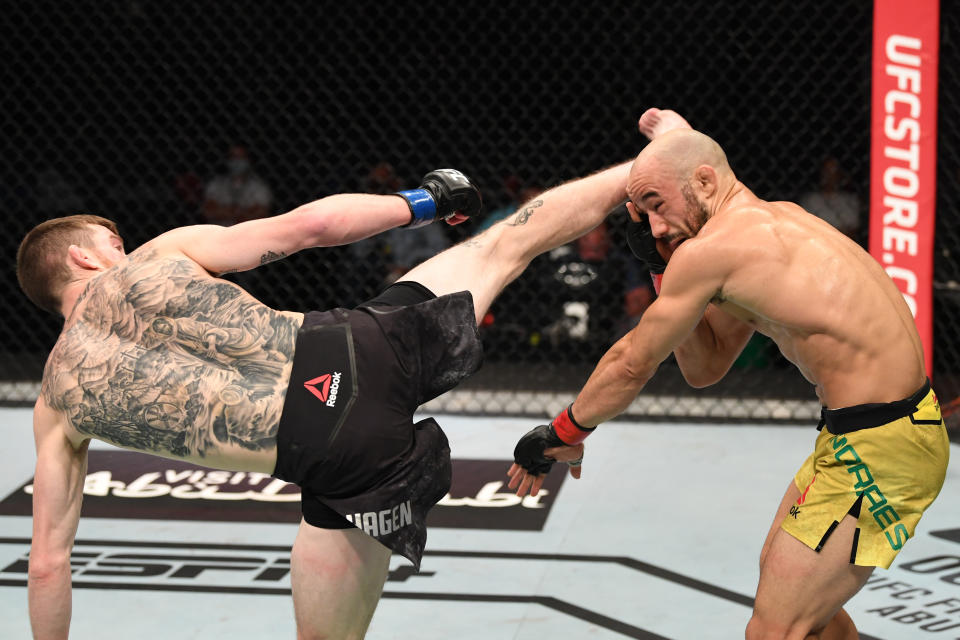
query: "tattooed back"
161, 357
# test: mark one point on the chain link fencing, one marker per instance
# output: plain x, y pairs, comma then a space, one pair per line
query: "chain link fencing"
139, 111
946, 267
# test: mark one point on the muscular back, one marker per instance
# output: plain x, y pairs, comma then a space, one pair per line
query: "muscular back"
827, 304
159, 356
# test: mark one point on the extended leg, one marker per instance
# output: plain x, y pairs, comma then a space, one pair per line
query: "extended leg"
655, 122
485, 264
337, 577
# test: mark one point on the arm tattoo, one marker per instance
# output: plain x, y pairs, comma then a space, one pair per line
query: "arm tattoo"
165, 359
524, 216
270, 256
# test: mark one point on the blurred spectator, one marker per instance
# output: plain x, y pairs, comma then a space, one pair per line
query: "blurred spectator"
188, 190
368, 257
404, 248
835, 202
637, 296
391, 254
237, 195
598, 290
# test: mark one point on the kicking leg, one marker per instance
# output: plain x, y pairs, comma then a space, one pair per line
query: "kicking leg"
656, 122
337, 577
801, 592
486, 263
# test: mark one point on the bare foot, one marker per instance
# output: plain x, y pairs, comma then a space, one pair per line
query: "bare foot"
656, 122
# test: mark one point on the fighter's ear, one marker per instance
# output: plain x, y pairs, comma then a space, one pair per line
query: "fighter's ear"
705, 180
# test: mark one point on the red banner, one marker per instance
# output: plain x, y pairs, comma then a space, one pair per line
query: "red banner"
903, 160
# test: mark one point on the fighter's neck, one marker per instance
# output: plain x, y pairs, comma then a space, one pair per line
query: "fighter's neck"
737, 194
71, 295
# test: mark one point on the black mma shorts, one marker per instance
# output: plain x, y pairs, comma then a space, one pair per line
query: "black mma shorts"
346, 433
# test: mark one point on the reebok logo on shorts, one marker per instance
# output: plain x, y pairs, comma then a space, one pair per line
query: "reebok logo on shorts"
325, 387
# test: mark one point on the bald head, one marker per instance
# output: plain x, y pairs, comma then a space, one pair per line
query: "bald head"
679, 152
679, 180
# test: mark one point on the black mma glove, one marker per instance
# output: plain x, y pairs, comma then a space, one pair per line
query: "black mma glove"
644, 246
529, 450
444, 193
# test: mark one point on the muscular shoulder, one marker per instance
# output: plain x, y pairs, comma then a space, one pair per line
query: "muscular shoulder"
739, 238
171, 244
745, 232
50, 422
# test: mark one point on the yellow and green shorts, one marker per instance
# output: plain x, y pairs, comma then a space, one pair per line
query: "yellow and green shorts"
882, 463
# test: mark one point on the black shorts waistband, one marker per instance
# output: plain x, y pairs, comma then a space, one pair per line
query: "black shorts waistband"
873, 414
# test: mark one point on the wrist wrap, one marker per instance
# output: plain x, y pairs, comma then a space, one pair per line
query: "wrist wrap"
657, 279
567, 428
422, 207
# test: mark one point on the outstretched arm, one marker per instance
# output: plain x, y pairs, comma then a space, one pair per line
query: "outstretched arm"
334, 220
57, 495
630, 363
707, 353
488, 262
688, 286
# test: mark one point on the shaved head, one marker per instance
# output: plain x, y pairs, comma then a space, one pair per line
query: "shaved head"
679, 152
677, 181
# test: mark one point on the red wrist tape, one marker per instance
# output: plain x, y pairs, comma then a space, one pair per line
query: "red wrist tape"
567, 428
657, 279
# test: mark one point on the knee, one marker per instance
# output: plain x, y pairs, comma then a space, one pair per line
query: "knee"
760, 628
324, 635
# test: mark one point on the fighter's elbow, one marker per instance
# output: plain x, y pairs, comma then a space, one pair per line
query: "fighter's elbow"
312, 228
637, 371
702, 376
699, 382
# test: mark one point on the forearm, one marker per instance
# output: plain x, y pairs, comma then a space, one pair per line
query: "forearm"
697, 353
50, 602
612, 387
348, 217
706, 355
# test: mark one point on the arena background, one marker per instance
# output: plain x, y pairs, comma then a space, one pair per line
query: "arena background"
126, 109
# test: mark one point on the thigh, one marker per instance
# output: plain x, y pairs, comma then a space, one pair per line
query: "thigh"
337, 577
801, 589
790, 497
482, 265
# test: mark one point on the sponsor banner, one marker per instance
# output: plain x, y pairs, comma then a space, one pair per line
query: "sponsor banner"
132, 485
904, 152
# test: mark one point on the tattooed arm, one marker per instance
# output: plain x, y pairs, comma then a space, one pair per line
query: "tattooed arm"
330, 221
57, 494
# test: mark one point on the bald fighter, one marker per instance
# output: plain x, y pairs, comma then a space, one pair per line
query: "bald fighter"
727, 264
159, 355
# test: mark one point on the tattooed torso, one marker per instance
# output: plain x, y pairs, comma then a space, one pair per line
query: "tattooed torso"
159, 356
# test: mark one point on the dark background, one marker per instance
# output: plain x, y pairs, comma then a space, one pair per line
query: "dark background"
126, 102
